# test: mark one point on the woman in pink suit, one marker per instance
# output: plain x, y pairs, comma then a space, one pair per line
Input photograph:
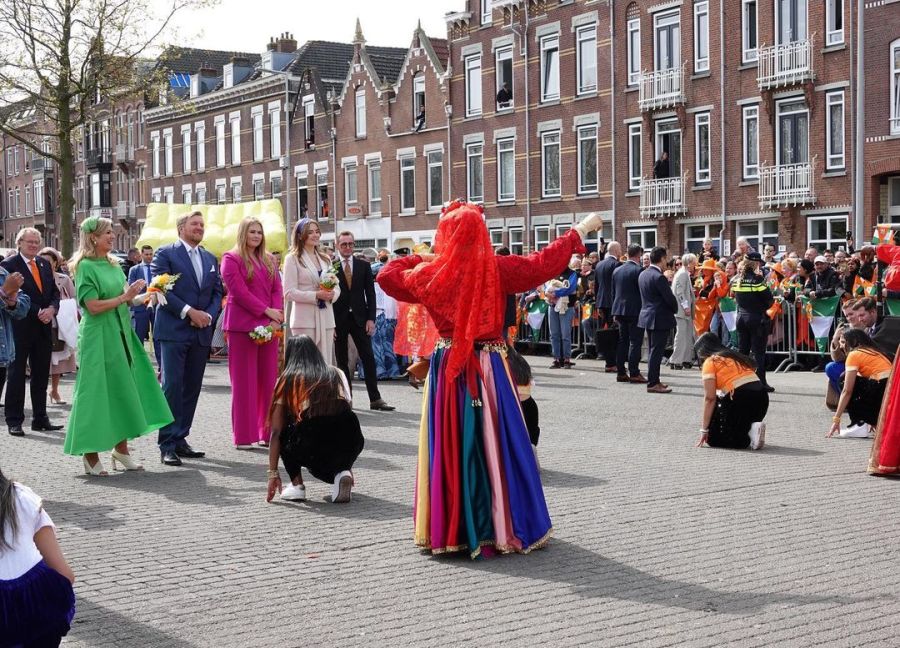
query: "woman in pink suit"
254, 299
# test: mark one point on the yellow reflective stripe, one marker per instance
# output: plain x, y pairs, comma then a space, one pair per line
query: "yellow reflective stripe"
739, 287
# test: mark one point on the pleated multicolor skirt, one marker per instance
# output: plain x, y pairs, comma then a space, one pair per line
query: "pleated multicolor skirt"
477, 482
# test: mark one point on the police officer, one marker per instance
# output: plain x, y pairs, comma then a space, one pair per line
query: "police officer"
753, 299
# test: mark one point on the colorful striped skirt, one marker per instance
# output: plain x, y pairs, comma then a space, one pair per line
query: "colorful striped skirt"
477, 482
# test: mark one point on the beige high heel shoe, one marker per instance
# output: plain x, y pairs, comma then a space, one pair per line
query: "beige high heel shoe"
97, 470
125, 460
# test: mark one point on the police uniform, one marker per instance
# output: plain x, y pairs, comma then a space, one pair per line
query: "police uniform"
753, 299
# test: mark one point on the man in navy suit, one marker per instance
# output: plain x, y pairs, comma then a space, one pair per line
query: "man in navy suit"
603, 341
142, 316
626, 307
184, 328
657, 316
33, 335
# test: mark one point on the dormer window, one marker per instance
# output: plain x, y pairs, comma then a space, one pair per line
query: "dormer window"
419, 101
360, 112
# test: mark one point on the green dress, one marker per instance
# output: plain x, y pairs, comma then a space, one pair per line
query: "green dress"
116, 396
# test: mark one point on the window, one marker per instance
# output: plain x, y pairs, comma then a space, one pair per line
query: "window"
792, 133
186, 149
635, 164
18, 202
506, 170
667, 41
375, 189
309, 120
701, 36
360, 112
259, 188
155, 195
550, 180
827, 232
201, 194
9, 166
351, 189
541, 237
220, 141
257, 119
473, 85
486, 11
895, 87
236, 139
587, 59
504, 71
185, 196
220, 192
418, 95
408, 185
200, 133
643, 236
759, 233
701, 150
834, 22
550, 68
275, 132
169, 195
38, 196
834, 139
167, 147
516, 240
16, 159
435, 180
749, 52
235, 191
275, 181
496, 238
587, 159
694, 235
751, 142
323, 211
154, 158
28, 200
475, 172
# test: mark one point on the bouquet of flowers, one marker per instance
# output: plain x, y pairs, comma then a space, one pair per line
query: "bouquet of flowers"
327, 281
265, 334
156, 292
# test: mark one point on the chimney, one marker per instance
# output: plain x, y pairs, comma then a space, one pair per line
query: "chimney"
271, 45
286, 44
238, 70
204, 80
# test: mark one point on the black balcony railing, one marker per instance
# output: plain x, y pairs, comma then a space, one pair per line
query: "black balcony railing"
97, 157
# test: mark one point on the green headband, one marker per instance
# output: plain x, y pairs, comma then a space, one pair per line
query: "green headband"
90, 224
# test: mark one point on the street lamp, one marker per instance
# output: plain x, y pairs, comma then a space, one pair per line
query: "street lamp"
288, 77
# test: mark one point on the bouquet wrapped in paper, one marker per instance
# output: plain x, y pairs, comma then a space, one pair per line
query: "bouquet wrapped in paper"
327, 281
265, 334
155, 294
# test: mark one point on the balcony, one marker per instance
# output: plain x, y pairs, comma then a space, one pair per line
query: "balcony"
785, 65
41, 167
125, 209
662, 197
97, 157
787, 185
895, 125
124, 154
661, 89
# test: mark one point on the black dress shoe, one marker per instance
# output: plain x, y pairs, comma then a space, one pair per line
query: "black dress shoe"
45, 426
188, 452
769, 388
380, 405
170, 458
16, 430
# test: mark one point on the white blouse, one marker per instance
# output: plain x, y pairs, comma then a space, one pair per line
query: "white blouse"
31, 518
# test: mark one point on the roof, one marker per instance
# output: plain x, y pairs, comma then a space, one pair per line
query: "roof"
332, 61
442, 50
387, 61
190, 59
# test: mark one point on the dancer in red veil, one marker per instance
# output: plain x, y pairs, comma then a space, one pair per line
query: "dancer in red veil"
477, 482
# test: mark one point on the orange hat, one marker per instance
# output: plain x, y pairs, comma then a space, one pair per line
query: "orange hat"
709, 264
777, 268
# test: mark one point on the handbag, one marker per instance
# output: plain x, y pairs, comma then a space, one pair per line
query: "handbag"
57, 343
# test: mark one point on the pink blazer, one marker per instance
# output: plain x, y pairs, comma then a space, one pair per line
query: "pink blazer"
248, 299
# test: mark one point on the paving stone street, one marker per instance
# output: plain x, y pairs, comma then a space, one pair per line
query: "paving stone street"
656, 542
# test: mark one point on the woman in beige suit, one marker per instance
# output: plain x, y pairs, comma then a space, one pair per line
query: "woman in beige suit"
311, 311
683, 288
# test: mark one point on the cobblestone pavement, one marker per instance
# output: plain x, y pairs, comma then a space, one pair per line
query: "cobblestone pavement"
657, 543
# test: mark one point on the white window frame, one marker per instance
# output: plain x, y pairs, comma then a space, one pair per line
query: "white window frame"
38, 190
418, 95
259, 186
834, 12
200, 137
309, 113
584, 35
221, 191
273, 176
503, 54
701, 32
895, 87
831, 242
506, 150
220, 140
359, 111
200, 192
374, 169
237, 190
834, 102
186, 149
154, 154
635, 150
516, 240
256, 121
275, 132
186, 195
167, 151
496, 234
642, 238
156, 195
749, 166
749, 51
702, 175
487, 12
547, 145
169, 195
662, 21
541, 237
758, 237
235, 122
407, 166
710, 230
435, 160
634, 51
549, 46
28, 200
474, 151
472, 67
351, 184
585, 134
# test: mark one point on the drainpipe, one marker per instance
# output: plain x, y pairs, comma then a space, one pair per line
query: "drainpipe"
527, 233
860, 198
723, 184
612, 115
448, 110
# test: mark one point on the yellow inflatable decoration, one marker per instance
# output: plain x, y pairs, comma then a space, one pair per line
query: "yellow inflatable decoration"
221, 224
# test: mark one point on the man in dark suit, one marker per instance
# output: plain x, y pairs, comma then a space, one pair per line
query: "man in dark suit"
33, 335
354, 316
658, 308
605, 339
142, 316
626, 307
184, 328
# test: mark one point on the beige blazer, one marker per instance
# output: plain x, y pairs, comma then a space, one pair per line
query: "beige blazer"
301, 281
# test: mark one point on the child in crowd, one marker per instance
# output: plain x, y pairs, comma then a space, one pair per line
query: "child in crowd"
521, 373
37, 602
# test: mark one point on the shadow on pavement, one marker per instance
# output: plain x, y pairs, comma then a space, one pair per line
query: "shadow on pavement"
559, 479
391, 448
87, 517
364, 507
185, 485
95, 624
786, 451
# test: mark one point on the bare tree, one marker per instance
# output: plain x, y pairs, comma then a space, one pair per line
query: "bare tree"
58, 56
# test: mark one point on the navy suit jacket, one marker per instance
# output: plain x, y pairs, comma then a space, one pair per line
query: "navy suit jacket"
135, 273
658, 301
626, 296
207, 296
603, 278
40, 299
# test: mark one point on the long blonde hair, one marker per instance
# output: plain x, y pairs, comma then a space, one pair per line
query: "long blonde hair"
90, 229
242, 249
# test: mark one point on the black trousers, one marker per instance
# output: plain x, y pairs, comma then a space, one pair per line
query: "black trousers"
752, 336
733, 416
606, 337
325, 445
631, 337
659, 338
865, 403
33, 348
364, 347
530, 412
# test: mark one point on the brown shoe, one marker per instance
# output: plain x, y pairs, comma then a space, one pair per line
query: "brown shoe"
658, 388
612, 369
623, 379
637, 379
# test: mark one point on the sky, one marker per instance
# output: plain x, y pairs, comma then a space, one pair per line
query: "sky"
247, 25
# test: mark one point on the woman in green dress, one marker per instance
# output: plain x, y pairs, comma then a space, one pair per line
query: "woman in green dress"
117, 397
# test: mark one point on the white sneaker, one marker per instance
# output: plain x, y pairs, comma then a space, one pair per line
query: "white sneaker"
340, 490
858, 431
293, 493
757, 435
536, 460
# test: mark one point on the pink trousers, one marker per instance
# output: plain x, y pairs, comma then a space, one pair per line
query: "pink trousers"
254, 370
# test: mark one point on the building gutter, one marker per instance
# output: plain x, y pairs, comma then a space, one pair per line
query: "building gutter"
723, 184
612, 80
